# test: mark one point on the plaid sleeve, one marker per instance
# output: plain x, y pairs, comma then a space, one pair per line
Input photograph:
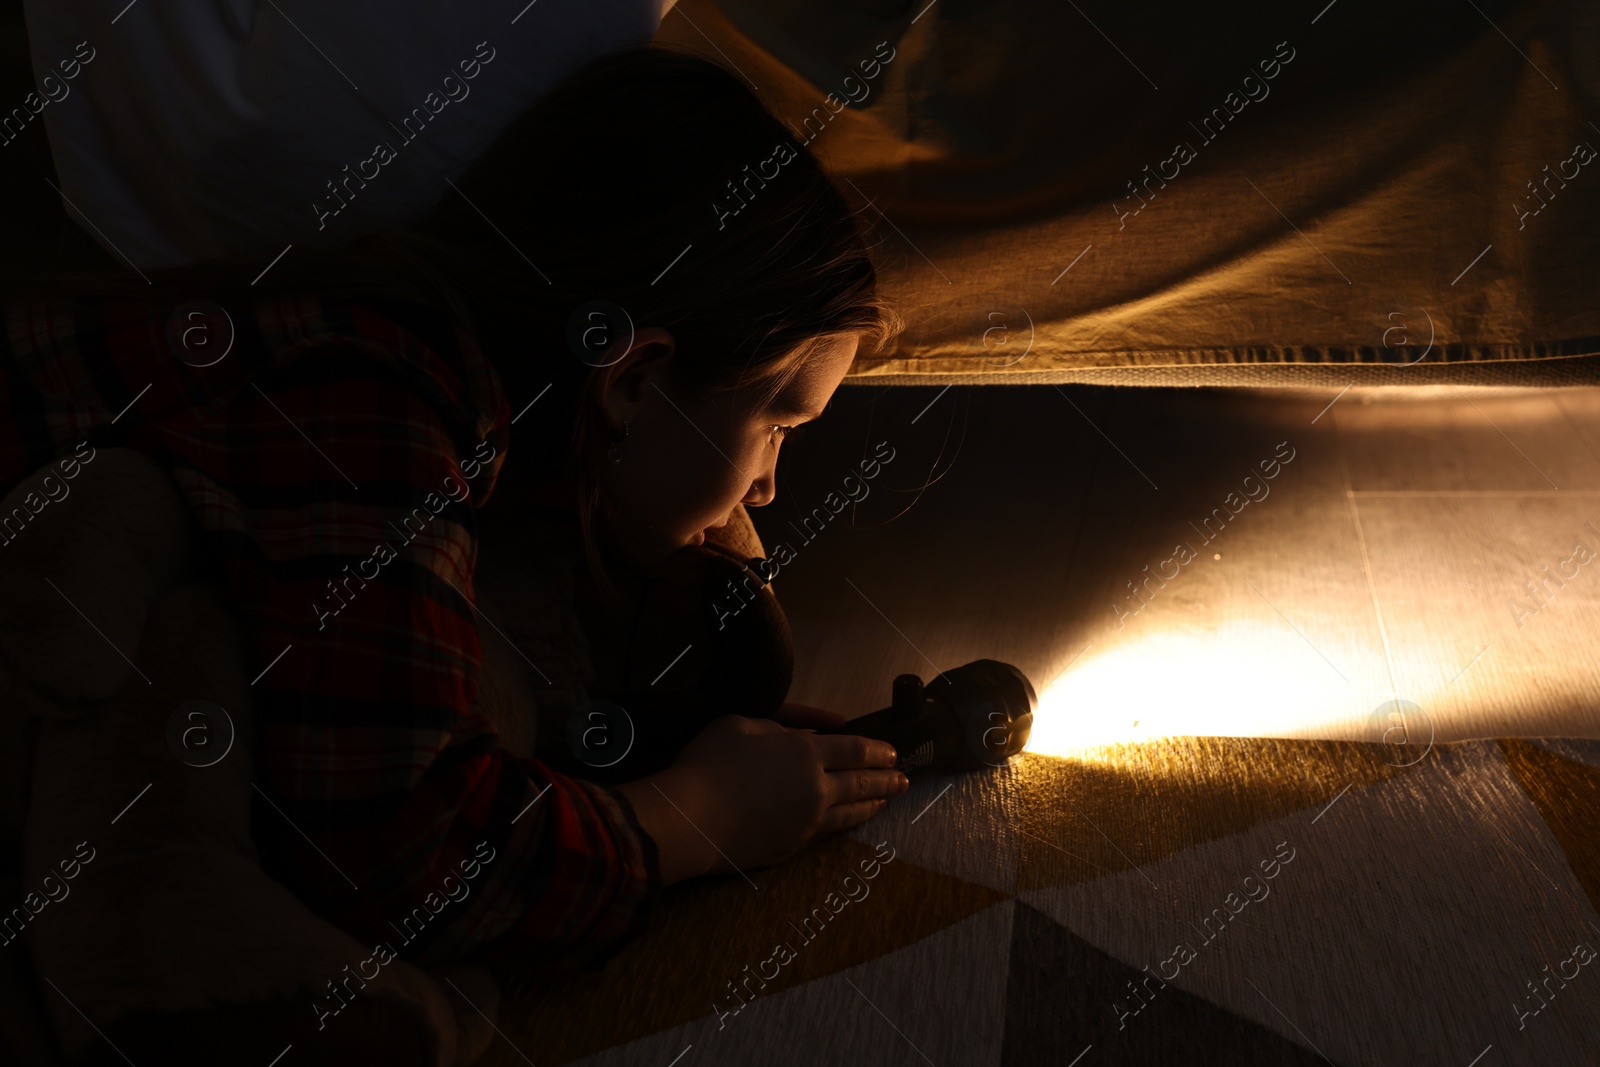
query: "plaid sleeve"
388, 803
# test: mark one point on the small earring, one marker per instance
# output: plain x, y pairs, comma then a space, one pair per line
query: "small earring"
615, 454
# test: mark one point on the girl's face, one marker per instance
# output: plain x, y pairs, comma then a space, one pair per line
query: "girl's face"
688, 459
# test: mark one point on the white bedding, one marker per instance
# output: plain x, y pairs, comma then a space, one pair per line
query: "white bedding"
204, 129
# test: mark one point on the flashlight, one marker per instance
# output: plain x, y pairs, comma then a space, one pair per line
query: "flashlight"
975, 716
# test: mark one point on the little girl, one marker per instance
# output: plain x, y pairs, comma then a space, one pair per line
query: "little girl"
336, 454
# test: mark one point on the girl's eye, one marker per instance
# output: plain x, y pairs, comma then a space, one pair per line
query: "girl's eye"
787, 433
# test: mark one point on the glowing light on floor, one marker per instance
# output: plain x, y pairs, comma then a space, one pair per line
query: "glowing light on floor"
1236, 681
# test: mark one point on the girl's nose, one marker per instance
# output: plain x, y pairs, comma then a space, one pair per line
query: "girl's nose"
763, 489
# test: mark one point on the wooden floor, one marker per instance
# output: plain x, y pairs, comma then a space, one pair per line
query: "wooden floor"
1387, 560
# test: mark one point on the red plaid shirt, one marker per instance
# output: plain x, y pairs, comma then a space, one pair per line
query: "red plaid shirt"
335, 459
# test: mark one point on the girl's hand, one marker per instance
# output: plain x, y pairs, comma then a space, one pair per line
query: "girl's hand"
748, 793
806, 717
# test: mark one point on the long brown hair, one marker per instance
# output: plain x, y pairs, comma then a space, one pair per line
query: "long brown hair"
647, 180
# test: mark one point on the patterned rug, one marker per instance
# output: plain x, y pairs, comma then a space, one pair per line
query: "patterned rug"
1195, 900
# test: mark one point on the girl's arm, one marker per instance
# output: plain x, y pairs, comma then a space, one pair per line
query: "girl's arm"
339, 487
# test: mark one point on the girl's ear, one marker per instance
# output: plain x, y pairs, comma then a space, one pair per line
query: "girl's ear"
632, 380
